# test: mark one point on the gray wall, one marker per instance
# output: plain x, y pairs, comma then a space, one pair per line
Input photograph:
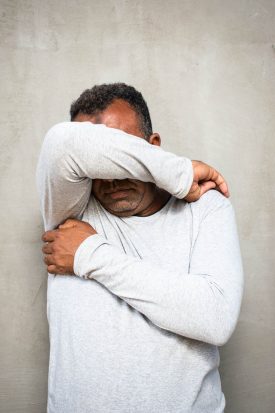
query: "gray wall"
207, 69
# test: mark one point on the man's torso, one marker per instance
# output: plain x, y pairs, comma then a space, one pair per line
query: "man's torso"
108, 357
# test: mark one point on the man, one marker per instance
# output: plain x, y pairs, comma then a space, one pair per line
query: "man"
142, 293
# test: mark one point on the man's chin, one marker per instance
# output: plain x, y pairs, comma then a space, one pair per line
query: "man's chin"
122, 208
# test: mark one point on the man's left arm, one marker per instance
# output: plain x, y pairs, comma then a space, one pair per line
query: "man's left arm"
202, 304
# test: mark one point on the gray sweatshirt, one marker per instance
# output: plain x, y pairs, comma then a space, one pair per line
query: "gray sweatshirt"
138, 329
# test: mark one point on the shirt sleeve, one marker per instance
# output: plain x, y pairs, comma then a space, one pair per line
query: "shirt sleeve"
202, 304
74, 153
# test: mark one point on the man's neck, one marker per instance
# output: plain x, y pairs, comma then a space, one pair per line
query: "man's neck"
160, 199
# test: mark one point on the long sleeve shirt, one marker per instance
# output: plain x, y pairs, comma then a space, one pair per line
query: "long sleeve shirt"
138, 329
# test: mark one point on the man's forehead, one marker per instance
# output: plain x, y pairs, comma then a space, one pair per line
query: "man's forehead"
118, 115
121, 116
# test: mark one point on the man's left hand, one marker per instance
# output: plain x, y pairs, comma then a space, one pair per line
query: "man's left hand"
61, 245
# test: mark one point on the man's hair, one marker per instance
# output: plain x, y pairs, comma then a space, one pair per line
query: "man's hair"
98, 98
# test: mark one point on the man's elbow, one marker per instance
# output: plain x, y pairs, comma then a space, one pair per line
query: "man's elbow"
216, 331
222, 329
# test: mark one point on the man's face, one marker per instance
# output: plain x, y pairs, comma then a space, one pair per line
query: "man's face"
124, 197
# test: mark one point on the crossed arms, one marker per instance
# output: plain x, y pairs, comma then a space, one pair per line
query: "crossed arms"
203, 304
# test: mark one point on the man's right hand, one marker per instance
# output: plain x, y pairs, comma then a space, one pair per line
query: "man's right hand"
205, 178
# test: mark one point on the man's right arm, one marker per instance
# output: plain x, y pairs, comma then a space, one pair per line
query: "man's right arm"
74, 153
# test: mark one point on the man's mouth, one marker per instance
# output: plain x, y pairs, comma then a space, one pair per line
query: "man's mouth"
118, 193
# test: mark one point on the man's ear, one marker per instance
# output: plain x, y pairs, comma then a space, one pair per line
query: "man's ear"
155, 139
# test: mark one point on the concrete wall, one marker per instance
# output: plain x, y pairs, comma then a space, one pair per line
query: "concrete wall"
207, 70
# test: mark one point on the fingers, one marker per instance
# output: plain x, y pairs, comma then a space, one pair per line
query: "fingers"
204, 173
219, 180
224, 189
198, 189
48, 259
194, 193
49, 236
52, 269
205, 186
213, 181
69, 223
47, 248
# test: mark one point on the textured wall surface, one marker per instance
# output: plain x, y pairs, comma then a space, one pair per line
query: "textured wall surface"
207, 70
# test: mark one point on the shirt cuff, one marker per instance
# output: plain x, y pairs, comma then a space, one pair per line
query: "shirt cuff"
84, 253
187, 178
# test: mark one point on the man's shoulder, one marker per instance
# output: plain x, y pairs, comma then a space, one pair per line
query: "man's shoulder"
213, 196
210, 202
